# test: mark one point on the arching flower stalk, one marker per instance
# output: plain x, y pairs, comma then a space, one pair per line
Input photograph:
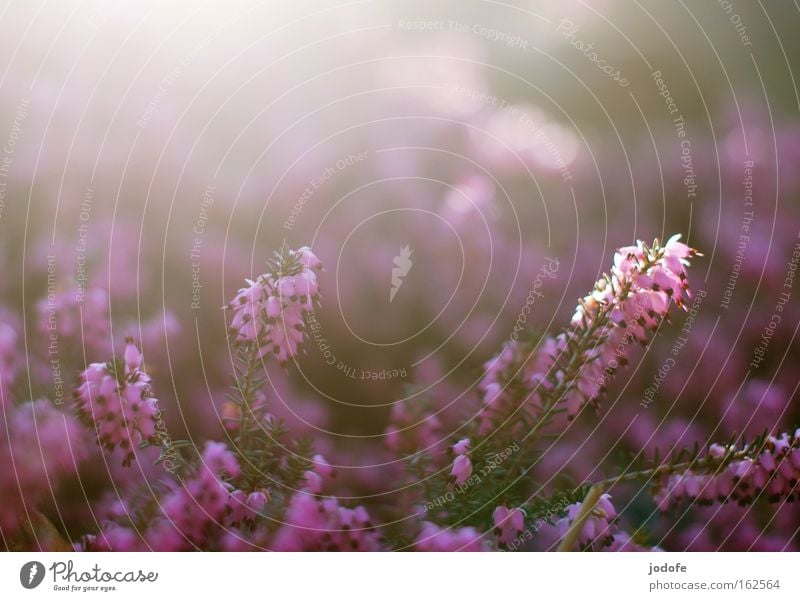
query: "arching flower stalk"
269, 318
573, 369
527, 385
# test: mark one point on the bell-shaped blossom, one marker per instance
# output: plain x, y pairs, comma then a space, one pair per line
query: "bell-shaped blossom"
625, 307
116, 400
271, 310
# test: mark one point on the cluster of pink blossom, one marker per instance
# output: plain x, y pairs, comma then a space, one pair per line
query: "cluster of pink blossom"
771, 471
598, 529
39, 446
115, 399
624, 307
462, 464
508, 523
516, 373
412, 428
76, 315
8, 359
271, 309
321, 524
319, 475
439, 539
202, 511
318, 523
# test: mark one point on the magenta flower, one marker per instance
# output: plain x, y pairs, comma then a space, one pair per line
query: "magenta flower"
598, 529
435, 538
39, 447
116, 400
624, 307
271, 310
314, 524
508, 523
770, 470
462, 469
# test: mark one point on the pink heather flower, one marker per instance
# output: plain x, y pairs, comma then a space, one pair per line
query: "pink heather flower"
434, 538
772, 473
318, 476
314, 524
198, 512
461, 447
115, 399
624, 307
462, 469
76, 315
39, 447
508, 523
8, 360
412, 428
598, 529
271, 310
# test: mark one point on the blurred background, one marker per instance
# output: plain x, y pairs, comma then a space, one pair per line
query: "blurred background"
155, 154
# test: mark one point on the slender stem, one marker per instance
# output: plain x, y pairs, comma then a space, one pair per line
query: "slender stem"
573, 534
706, 463
246, 393
570, 373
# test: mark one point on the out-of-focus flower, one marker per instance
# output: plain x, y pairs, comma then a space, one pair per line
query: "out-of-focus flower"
461, 447
314, 524
412, 427
462, 469
76, 315
434, 538
8, 359
39, 446
598, 528
770, 470
508, 523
